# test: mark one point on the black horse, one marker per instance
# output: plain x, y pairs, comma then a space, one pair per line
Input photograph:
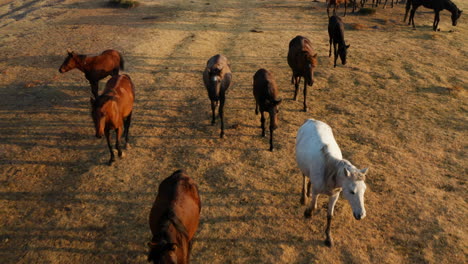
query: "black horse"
437, 6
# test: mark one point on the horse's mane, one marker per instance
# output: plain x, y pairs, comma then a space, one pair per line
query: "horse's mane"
334, 166
102, 99
451, 5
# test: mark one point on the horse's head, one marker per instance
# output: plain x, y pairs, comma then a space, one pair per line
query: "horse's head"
99, 118
455, 16
69, 63
214, 81
163, 252
353, 190
343, 51
311, 63
274, 109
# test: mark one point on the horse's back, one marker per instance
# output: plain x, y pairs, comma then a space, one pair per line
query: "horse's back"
311, 138
297, 47
179, 193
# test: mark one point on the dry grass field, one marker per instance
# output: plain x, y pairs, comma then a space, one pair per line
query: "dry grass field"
399, 107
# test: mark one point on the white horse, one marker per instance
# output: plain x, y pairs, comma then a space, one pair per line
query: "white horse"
320, 159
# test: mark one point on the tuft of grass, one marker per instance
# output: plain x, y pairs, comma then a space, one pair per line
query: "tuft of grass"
366, 11
124, 3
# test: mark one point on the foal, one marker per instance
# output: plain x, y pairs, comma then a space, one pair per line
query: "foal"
113, 110
95, 68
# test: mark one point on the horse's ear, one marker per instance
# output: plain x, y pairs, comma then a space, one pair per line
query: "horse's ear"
347, 46
347, 172
69, 51
315, 55
364, 171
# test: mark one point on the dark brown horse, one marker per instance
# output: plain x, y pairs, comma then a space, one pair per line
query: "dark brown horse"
113, 111
303, 60
437, 6
174, 219
217, 78
336, 34
265, 92
95, 68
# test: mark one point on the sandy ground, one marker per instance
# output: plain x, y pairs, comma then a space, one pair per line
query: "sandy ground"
399, 107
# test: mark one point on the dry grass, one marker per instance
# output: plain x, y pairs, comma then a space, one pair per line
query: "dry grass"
396, 107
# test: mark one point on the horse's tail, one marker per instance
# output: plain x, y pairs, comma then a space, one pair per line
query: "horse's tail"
122, 62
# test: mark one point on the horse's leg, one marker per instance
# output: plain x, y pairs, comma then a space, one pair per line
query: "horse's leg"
345, 7
436, 20
335, 52
256, 108
127, 129
118, 132
271, 132
330, 41
406, 13
262, 122
94, 88
297, 80
213, 110
107, 133
413, 11
331, 206
328, 10
221, 114
304, 190
305, 96
313, 204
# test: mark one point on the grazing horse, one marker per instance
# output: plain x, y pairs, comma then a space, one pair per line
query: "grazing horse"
336, 34
217, 78
437, 6
113, 110
174, 219
303, 60
95, 68
320, 160
265, 92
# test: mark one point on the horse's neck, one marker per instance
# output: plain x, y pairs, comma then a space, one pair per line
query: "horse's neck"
449, 5
84, 63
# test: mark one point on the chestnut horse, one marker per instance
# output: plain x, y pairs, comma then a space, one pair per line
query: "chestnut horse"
95, 68
113, 110
174, 219
265, 92
303, 60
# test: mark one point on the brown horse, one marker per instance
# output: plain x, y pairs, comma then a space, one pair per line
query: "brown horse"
174, 219
303, 60
113, 110
95, 68
217, 79
265, 92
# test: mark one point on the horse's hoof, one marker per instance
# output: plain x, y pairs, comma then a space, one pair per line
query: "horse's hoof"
308, 213
110, 162
295, 98
127, 146
121, 155
213, 122
222, 135
271, 149
305, 109
329, 242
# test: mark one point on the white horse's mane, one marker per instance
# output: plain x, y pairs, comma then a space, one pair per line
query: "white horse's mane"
335, 167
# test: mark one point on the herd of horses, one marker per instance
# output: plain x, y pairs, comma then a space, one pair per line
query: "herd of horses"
175, 214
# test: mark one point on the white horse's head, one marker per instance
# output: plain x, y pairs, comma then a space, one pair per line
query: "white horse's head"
353, 190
